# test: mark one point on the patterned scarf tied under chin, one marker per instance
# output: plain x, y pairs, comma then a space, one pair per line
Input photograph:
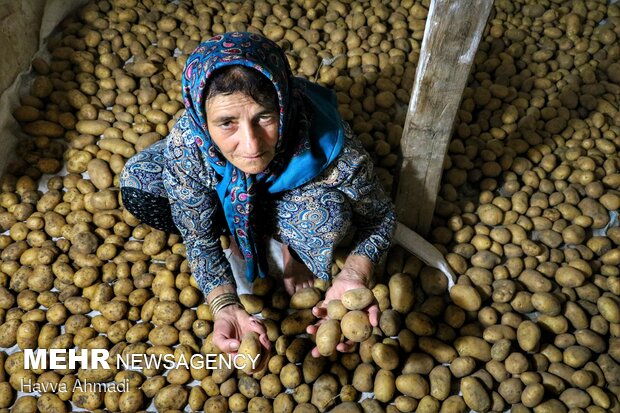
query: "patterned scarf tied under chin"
310, 133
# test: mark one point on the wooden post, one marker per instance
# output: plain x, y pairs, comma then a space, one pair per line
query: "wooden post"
451, 39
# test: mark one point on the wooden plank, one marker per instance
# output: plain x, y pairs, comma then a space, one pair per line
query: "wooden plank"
451, 38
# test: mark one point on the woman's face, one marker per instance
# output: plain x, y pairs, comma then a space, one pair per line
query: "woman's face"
245, 132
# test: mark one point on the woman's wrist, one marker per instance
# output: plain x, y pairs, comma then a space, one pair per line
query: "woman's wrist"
223, 297
358, 268
229, 311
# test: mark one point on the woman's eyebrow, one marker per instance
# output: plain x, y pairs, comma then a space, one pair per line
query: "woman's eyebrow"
224, 118
265, 111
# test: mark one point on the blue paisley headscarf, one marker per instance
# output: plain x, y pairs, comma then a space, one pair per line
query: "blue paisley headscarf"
311, 134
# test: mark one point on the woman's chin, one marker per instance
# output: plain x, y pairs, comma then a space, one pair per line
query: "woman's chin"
253, 168
251, 165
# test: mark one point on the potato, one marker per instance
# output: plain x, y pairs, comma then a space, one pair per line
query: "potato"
385, 99
568, 276
363, 377
8, 333
382, 295
453, 404
297, 322
384, 386
609, 308
154, 242
92, 127
197, 398
440, 351
142, 68
166, 312
250, 349
551, 405
385, 356
259, 404
305, 408
575, 398
216, 404
27, 335
473, 347
466, 297
114, 310
390, 322
532, 394
270, 385
401, 292
404, 403
528, 335
576, 356
298, 349
440, 382
428, 404
25, 404
355, 326
462, 366
6, 298
291, 376
324, 391
434, 282
165, 335
490, 214
420, 363
50, 403
6, 395
336, 310
328, 337
117, 146
172, 397
546, 303
305, 298
534, 281
87, 399
357, 299
412, 385
347, 407
131, 400
44, 128
474, 394
238, 403
302, 394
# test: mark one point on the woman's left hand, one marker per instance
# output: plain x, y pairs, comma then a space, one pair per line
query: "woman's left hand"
354, 275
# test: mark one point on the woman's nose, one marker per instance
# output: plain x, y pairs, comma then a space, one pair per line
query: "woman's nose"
251, 139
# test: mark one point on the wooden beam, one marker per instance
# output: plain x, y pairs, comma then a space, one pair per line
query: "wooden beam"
451, 38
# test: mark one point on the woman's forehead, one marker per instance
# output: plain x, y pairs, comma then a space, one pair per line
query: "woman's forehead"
222, 104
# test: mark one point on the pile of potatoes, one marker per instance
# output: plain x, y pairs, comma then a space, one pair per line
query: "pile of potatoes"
527, 216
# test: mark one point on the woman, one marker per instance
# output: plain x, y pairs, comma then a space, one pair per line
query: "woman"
259, 153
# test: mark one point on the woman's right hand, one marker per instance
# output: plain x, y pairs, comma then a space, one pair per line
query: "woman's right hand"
231, 323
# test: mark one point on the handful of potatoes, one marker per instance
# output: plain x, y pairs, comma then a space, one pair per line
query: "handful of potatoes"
346, 320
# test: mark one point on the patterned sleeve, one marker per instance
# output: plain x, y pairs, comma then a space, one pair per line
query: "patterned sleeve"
374, 216
194, 207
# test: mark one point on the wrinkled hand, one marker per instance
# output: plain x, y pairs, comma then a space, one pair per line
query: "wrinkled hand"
345, 281
231, 323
